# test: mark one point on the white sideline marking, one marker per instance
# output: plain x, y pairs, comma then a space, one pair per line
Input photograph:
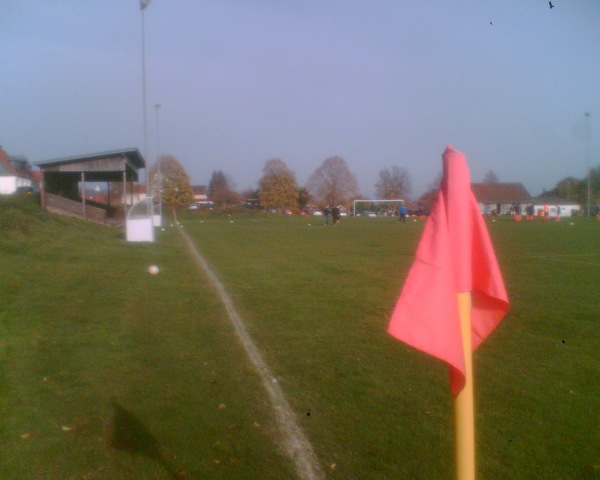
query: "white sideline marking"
296, 445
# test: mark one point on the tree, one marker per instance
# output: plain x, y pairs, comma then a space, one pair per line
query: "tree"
218, 181
277, 187
594, 185
221, 189
303, 197
176, 190
570, 188
333, 183
393, 184
427, 200
490, 177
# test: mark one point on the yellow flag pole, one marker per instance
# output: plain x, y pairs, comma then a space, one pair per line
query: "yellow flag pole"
464, 411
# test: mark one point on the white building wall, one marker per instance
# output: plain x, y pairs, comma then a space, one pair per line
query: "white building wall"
565, 210
504, 208
8, 185
23, 182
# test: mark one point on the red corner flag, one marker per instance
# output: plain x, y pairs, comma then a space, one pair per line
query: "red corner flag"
455, 255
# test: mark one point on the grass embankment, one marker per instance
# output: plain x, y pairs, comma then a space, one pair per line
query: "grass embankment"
318, 299
91, 342
108, 372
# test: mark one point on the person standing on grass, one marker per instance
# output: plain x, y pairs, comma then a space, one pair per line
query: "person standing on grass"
530, 211
546, 212
402, 217
335, 214
326, 213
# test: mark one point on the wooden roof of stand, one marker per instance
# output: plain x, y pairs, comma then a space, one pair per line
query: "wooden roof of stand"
97, 167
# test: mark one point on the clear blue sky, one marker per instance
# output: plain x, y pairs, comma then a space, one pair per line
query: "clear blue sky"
380, 83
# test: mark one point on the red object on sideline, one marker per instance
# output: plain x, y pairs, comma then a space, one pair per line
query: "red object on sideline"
455, 254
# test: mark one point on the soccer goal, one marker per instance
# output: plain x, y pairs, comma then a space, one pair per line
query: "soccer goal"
376, 208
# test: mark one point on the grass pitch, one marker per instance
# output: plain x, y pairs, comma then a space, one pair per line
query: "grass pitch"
318, 299
109, 372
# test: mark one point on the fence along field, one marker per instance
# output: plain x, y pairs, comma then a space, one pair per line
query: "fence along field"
316, 300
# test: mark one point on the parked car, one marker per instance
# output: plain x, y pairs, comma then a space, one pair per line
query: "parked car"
202, 204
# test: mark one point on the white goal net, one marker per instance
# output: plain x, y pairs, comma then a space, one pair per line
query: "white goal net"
377, 207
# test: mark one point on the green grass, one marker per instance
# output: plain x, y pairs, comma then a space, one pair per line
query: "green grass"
91, 342
318, 300
85, 332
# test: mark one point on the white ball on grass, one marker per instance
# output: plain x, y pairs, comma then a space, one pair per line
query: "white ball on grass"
153, 270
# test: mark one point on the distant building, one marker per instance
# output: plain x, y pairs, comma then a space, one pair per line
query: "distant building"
200, 193
201, 200
501, 198
505, 198
15, 172
568, 208
252, 203
135, 193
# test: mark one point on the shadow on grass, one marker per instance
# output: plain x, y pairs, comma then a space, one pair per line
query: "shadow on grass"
130, 435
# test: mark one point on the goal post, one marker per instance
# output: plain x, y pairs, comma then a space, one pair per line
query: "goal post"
388, 205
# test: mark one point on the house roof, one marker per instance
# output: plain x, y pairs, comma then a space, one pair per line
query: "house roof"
500, 192
132, 155
9, 168
137, 188
199, 190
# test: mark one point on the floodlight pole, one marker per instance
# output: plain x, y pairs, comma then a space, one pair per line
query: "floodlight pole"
159, 165
589, 174
143, 5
